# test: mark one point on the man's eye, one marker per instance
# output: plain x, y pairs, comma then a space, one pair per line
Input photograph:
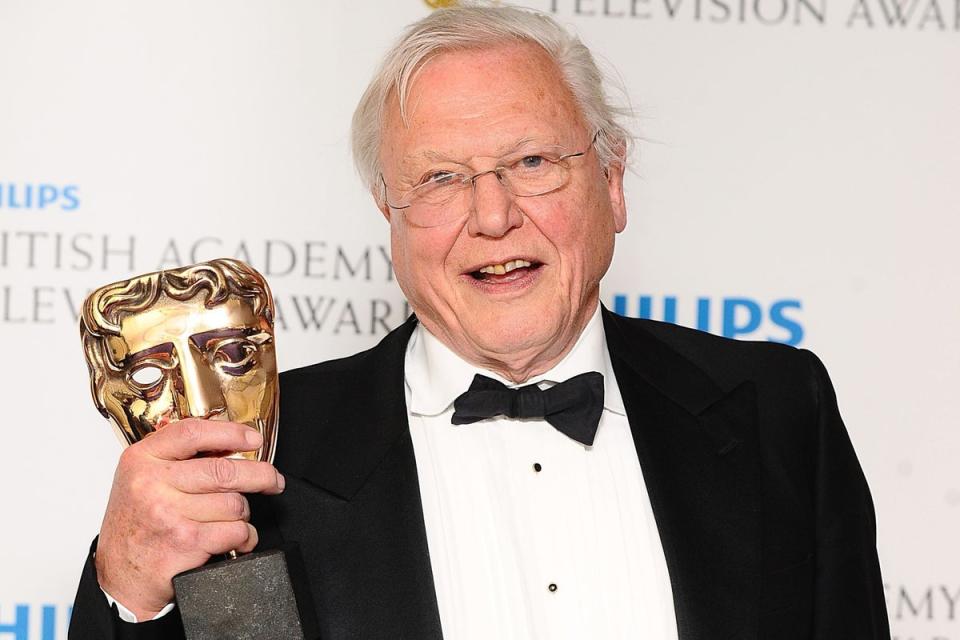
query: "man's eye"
439, 178
532, 162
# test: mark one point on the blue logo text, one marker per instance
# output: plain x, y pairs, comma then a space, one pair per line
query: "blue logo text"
44, 624
733, 317
39, 197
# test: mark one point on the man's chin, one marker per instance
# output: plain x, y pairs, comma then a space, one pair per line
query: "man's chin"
512, 335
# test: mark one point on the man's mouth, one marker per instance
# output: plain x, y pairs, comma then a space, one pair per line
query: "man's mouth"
506, 271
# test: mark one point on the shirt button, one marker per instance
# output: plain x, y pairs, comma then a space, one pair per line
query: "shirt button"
537, 467
552, 587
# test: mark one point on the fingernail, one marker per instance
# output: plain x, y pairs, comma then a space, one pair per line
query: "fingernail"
281, 481
253, 438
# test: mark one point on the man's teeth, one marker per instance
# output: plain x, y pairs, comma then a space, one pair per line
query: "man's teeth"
500, 269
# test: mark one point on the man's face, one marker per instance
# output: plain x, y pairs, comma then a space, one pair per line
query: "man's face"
179, 359
466, 110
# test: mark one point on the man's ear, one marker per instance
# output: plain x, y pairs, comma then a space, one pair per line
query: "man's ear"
381, 202
384, 209
614, 173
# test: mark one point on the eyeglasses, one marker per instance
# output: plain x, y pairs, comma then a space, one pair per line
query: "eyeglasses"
444, 195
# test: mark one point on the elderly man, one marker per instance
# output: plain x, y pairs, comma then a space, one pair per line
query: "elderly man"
515, 461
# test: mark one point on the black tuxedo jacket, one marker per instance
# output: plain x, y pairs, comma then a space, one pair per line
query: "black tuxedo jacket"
766, 520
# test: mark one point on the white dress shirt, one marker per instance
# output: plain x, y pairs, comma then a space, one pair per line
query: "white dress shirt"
129, 616
533, 535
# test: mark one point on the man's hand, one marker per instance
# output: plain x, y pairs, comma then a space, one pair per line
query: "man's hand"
170, 511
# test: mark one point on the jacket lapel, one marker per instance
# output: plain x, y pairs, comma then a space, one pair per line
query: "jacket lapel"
353, 414
697, 446
362, 533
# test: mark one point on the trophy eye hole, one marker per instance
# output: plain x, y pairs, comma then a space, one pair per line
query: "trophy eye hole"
147, 375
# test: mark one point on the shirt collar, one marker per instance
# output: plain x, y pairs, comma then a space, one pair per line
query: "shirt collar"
435, 375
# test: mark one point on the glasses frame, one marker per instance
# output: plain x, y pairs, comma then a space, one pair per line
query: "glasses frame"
472, 179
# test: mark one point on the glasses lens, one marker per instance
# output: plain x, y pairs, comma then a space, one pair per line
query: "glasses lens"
547, 176
446, 196
435, 204
534, 174
440, 192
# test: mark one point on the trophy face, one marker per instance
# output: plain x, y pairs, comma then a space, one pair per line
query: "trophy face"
191, 342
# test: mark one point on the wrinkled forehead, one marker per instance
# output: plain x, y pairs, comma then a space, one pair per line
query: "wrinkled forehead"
487, 100
176, 321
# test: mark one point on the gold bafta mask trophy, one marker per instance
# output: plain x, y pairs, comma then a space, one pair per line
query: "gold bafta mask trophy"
197, 342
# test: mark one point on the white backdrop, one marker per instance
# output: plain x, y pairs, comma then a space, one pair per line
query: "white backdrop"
798, 171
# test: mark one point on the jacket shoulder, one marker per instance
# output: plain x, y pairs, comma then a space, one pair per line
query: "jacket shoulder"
345, 370
727, 361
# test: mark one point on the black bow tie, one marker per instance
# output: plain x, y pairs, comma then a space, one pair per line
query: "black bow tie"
572, 407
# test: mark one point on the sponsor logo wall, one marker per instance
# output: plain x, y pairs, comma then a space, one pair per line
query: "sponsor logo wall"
795, 182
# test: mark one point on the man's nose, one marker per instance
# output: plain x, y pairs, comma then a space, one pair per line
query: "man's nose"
493, 213
201, 395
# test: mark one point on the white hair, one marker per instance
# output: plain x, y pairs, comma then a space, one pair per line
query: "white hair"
475, 26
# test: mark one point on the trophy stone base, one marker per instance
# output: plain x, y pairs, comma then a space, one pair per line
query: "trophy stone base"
250, 597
